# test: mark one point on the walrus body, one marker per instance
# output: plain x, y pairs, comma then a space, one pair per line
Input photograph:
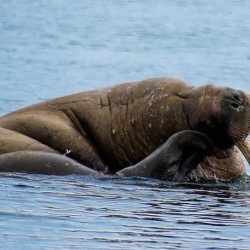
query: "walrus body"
110, 129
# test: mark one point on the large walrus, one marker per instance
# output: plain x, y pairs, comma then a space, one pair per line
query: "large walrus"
160, 127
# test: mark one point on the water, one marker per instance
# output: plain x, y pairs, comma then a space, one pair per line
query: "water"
54, 48
91, 213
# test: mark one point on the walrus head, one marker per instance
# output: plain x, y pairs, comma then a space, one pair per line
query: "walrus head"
223, 114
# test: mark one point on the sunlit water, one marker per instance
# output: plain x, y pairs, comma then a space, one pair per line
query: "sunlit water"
54, 48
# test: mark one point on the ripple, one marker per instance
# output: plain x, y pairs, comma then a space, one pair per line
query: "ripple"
119, 212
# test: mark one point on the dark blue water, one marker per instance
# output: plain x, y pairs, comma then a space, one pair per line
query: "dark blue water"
54, 48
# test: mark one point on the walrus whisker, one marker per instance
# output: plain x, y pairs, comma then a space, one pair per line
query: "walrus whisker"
240, 132
238, 136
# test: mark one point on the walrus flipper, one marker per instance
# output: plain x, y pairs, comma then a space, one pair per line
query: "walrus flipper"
175, 159
38, 162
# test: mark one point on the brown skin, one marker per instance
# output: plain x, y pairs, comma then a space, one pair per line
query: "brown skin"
223, 165
117, 127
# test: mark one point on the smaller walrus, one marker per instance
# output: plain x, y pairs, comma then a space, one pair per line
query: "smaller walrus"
162, 128
174, 160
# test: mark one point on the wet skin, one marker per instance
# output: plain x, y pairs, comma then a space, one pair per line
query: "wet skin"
174, 160
111, 129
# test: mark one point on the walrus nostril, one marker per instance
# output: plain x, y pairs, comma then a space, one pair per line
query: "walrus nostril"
236, 100
237, 97
235, 105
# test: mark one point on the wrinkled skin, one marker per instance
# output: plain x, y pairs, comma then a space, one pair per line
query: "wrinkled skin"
110, 129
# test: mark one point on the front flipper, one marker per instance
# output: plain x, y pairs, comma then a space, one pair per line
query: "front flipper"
38, 162
178, 156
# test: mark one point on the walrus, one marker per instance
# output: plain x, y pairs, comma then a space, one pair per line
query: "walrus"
114, 129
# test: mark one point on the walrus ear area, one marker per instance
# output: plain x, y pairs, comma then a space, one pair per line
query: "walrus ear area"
188, 150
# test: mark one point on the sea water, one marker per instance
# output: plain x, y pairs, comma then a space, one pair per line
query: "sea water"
54, 48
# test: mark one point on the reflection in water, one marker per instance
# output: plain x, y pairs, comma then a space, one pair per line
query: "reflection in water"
115, 213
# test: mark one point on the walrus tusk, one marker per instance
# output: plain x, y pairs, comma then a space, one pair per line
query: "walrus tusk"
244, 147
